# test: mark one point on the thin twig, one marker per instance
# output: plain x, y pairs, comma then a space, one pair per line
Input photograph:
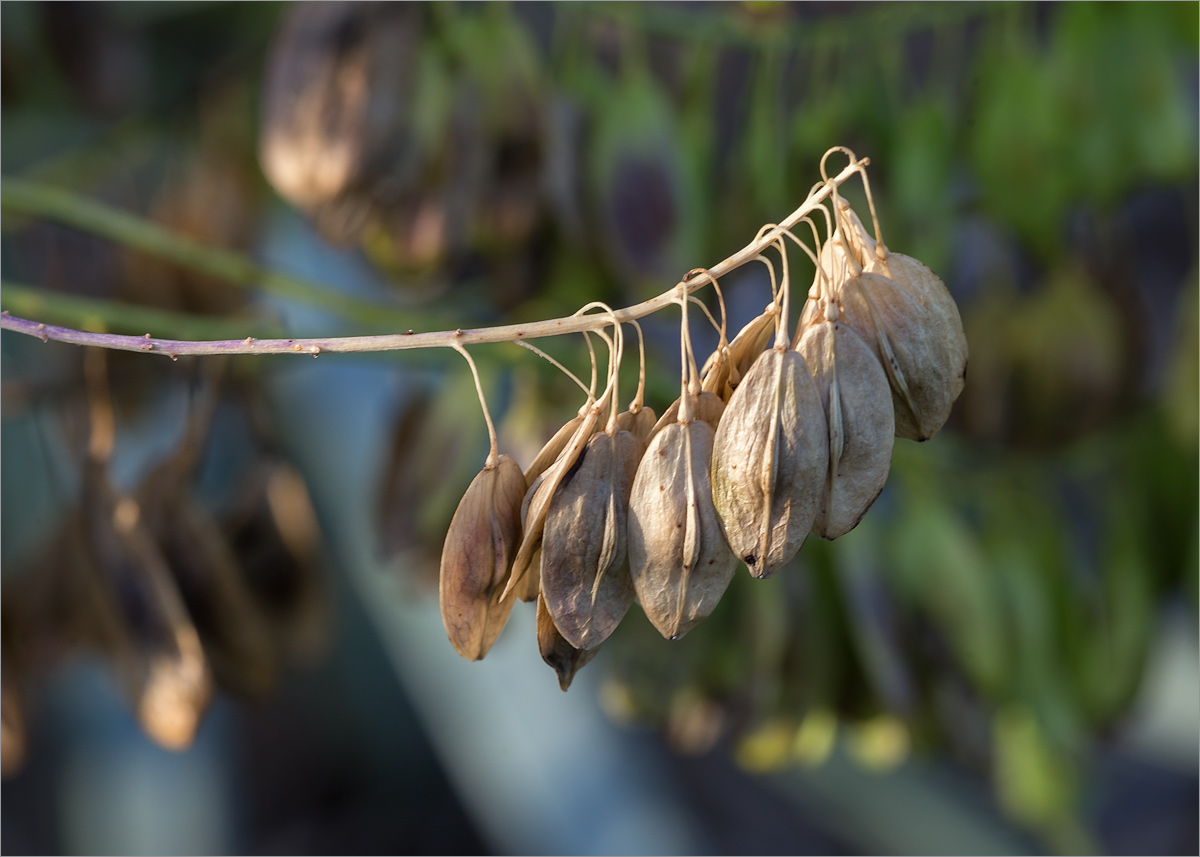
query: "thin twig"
441, 339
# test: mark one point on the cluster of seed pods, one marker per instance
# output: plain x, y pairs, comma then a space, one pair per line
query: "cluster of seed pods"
777, 436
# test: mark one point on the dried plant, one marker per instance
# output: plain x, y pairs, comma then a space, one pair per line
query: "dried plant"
777, 436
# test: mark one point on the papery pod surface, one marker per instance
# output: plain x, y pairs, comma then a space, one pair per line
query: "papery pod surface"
721, 376
556, 651
585, 562
858, 410
550, 452
706, 407
916, 346
770, 457
945, 325
640, 423
536, 502
678, 557
480, 544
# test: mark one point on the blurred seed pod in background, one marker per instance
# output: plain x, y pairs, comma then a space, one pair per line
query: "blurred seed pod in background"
434, 441
234, 633
276, 537
159, 659
641, 198
337, 123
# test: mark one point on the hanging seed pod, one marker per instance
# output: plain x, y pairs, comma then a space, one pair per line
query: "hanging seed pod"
678, 557
858, 409
482, 539
585, 562
556, 651
943, 328
641, 423
924, 359
159, 655
706, 407
541, 490
723, 371
279, 546
552, 449
232, 629
770, 457
529, 584
923, 330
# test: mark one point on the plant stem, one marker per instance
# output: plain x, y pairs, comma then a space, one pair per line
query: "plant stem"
409, 340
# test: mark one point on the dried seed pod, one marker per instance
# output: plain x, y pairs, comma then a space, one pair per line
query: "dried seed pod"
922, 349
158, 653
337, 109
770, 457
944, 329
641, 423
232, 628
678, 557
723, 371
858, 409
13, 739
585, 562
549, 453
480, 544
706, 407
556, 651
541, 490
530, 584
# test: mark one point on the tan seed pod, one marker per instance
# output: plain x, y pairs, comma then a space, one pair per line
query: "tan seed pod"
770, 457
921, 352
585, 562
480, 544
858, 409
530, 584
678, 557
723, 371
944, 328
541, 489
707, 407
552, 449
640, 423
556, 651
527, 587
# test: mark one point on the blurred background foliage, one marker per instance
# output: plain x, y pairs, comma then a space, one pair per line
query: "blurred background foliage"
1003, 614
